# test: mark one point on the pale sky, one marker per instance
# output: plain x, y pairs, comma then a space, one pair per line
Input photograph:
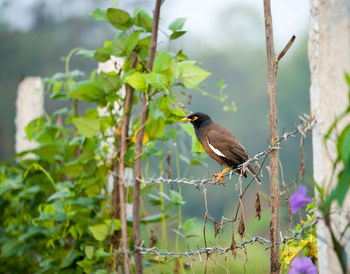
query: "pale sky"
289, 16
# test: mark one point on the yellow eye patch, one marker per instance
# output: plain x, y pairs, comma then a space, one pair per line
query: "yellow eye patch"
194, 118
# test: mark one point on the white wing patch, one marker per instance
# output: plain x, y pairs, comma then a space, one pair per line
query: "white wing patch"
217, 152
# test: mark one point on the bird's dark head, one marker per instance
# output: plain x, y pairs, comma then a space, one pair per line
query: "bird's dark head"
198, 119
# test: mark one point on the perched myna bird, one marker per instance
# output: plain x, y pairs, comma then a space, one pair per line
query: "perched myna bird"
220, 144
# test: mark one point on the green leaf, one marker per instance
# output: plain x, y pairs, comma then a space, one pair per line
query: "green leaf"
47, 135
88, 127
174, 115
64, 193
86, 264
154, 218
164, 195
119, 18
155, 128
72, 169
86, 53
117, 224
347, 78
188, 225
343, 145
342, 186
87, 92
99, 15
177, 24
142, 19
137, 81
110, 82
102, 253
89, 251
91, 113
103, 54
176, 198
100, 231
179, 233
196, 145
46, 151
177, 34
34, 127
192, 75
72, 255
161, 63
156, 80
101, 271
132, 41
154, 199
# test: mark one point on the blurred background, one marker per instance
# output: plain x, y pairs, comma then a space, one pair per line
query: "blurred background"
226, 37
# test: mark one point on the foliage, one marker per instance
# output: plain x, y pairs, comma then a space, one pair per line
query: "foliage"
339, 192
343, 160
56, 206
306, 245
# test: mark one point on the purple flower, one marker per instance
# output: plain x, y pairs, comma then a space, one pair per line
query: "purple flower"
302, 266
298, 199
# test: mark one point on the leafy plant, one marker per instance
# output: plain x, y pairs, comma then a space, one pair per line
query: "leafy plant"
56, 207
305, 245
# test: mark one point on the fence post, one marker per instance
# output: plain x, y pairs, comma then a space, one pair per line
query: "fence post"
329, 57
29, 106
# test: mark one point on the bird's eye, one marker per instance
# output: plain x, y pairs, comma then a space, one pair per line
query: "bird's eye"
194, 118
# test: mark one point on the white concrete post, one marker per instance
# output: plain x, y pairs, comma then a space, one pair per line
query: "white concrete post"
29, 106
329, 57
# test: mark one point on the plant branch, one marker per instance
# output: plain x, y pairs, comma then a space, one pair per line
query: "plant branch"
273, 122
286, 48
139, 142
123, 149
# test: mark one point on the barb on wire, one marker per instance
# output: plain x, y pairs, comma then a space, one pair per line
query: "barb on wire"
306, 125
216, 248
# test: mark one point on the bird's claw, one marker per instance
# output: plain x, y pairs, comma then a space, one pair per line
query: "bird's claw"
218, 177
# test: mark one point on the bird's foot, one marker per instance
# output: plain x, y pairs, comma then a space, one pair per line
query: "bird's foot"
218, 177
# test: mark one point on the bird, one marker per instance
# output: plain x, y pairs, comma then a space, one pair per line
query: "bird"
220, 144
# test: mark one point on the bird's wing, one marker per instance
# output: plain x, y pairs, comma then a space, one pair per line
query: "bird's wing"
225, 144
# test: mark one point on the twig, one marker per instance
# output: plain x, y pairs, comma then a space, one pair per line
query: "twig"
286, 48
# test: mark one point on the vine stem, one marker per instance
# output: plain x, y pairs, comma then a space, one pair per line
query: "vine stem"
139, 143
162, 205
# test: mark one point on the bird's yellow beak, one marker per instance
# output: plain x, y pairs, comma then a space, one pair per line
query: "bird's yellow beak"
185, 119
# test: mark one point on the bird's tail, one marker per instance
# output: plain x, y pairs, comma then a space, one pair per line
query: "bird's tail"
252, 172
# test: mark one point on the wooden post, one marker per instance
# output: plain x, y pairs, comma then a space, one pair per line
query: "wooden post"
329, 57
273, 123
29, 106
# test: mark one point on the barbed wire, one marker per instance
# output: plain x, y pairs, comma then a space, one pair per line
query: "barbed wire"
217, 248
306, 125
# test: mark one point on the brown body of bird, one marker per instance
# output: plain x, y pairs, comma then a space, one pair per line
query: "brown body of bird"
220, 144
